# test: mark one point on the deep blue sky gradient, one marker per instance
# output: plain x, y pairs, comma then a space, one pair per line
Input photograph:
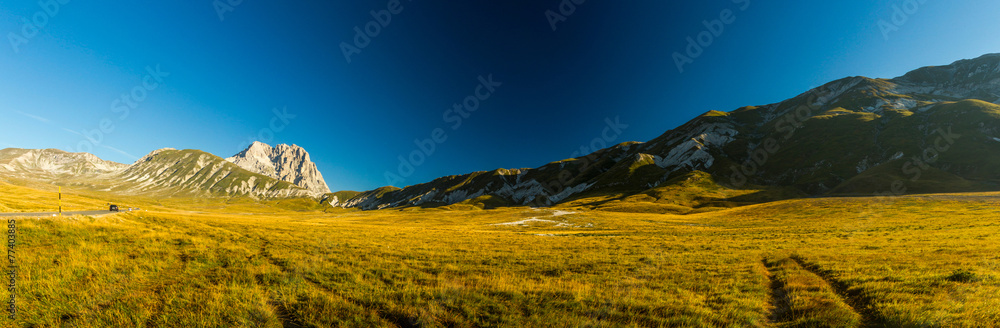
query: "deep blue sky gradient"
608, 59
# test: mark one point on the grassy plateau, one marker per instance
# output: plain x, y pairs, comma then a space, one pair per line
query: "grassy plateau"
915, 261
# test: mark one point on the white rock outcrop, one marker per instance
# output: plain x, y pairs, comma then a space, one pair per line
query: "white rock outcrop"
282, 162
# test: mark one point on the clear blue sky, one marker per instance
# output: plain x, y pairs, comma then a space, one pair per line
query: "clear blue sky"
607, 59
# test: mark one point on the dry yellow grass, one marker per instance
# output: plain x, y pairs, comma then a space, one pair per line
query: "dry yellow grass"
21, 199
906, 262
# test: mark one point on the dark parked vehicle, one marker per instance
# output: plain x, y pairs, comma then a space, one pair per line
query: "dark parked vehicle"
114, 208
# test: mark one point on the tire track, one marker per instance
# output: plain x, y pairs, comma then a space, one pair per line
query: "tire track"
288, 319
396, 318
856, 299
780, 303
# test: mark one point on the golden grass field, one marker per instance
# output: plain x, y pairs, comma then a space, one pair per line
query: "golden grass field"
920, 261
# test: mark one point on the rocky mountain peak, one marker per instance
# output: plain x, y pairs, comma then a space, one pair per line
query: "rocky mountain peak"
977, 78
289, 163
982, 69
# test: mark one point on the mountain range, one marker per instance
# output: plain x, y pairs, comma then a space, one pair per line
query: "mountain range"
934, 129
260, 171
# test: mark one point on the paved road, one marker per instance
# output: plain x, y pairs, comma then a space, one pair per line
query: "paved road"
49, 214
